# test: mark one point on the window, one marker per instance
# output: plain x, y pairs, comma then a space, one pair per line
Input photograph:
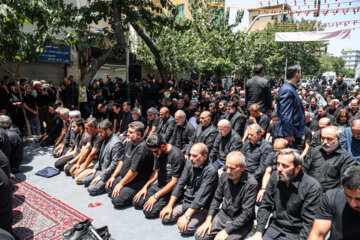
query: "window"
181, 9
253, 17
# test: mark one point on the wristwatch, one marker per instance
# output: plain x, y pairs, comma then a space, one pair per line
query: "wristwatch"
156, 196
186, 216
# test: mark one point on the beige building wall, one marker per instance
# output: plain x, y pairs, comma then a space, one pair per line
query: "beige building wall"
262, 22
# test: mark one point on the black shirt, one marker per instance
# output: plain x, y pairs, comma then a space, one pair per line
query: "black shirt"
237, 200
139, 159
271, 160
271, 131
225, 145
5, 202
96, 141
29, 99
81, 140
263, 121
126, 120
299, 143
169, 165
154, 122
293, 207
327, 169
316, 139
197, 185
256, 156
345, 220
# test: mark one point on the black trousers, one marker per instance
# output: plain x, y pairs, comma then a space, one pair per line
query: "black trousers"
48, 141
126, 195
219, 223
158, 206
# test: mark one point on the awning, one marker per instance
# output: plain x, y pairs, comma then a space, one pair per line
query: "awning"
312, 36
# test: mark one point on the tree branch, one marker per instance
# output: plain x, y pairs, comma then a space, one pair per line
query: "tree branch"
152, 48
95, 65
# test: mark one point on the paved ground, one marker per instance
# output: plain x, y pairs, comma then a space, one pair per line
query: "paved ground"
123, 224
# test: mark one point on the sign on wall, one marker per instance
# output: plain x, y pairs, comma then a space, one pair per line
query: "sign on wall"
54, 53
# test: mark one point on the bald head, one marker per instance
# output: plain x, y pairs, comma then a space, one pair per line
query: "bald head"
164, 113
180, 117
224, 127
280, 143
324, 122
205, 118
198, 154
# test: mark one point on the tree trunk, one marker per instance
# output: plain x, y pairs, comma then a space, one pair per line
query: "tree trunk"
117, 25
15, 76
95, 65
152, 48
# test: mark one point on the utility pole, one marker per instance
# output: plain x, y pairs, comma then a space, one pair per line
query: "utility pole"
128, 63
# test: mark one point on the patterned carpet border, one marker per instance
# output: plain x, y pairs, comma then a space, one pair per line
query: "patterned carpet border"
37, 215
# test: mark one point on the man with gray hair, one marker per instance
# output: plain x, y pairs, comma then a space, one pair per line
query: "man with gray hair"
350, 140
181, 106
235, 193
193, 107
326, 163
228, 140
136, 116
152, 123
292, 197
256, 150
69, 139
6, 120
16, 145
183, 131
339, 210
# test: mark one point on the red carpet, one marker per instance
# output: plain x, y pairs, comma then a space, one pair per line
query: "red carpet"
38, 216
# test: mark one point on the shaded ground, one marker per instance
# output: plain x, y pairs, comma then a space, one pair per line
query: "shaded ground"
123, 224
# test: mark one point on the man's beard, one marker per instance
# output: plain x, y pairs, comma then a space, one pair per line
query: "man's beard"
286, 178
330, 148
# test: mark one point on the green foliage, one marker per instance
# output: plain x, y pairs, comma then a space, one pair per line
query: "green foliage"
201, 44
27, 26
331, 63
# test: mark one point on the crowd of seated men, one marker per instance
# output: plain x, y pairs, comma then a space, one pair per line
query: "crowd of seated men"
208, 179
206, 167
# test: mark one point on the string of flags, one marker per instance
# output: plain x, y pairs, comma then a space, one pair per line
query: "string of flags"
307, 3
334, 11
271, 30
315, 25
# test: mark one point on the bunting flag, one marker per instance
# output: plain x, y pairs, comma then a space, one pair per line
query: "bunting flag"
312, 36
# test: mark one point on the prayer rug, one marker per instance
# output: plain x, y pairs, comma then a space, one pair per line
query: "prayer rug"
36, 215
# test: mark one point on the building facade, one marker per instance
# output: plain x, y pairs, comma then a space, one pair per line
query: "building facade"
257, 23
352, 57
